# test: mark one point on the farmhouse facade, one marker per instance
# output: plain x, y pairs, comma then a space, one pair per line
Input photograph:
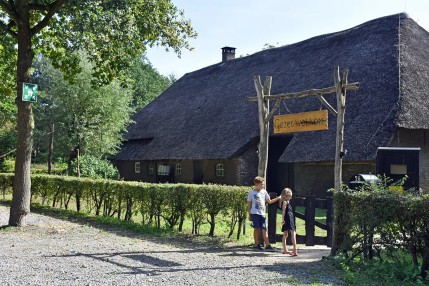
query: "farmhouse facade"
203, 129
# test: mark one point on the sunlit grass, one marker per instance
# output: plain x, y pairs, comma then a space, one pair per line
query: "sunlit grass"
221, 231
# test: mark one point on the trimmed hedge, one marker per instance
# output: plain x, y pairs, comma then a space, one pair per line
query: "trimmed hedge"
373, 220
170, 203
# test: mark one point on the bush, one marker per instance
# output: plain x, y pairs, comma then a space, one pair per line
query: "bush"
374, 221
95, 168
172, 203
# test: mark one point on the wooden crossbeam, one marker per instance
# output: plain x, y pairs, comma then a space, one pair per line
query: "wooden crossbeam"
314, 91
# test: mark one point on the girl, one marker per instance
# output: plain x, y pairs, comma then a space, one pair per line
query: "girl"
288, 223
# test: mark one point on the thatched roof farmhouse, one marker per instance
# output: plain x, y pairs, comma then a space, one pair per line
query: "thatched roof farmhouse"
203, 129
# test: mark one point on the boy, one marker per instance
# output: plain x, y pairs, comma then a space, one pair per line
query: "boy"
256, 205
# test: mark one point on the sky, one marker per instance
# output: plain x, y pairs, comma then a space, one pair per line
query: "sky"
248, 25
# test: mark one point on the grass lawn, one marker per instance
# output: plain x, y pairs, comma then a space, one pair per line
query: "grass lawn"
221, 230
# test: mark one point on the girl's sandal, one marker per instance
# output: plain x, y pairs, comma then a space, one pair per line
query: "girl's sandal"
288, 252
294, 253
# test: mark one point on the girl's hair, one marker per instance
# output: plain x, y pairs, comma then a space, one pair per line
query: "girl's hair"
283, 195
286, 191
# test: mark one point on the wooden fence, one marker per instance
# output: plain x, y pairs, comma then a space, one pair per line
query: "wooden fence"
310, 203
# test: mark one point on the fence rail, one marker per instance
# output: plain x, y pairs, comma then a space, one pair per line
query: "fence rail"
310, 203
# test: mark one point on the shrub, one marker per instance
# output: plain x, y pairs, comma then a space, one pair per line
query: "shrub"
376, 220
172, 203
95, 168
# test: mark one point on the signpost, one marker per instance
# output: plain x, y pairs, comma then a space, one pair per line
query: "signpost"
29, 92
300, 122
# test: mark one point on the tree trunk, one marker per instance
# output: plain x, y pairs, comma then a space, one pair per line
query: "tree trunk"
264, 124
50, 147
20, 206
212, 224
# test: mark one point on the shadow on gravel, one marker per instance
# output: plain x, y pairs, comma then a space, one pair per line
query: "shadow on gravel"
298, 273
134, 230
156, 266
189, 244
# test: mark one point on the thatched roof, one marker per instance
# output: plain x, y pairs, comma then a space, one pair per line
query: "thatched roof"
206, 115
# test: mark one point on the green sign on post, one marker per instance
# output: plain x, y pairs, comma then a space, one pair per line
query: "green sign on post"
29, 92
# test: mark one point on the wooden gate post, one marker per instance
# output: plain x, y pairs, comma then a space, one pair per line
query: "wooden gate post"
329, 220
339, 149
341, 109
272, 220
310, 213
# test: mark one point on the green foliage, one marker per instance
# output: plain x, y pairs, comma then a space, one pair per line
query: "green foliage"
88, 118
7, 69
172, 203
7, 124
7, 166
375, 220
147, 83
99, 27
393, 269
112, 33
95, 168
57, 169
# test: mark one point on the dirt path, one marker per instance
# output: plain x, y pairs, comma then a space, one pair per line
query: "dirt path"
51, 251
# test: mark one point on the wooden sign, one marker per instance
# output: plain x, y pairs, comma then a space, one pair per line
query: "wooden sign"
300, 122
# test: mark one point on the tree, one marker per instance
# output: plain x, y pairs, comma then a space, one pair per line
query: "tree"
86, 118
112, 32
7, 128
147, 83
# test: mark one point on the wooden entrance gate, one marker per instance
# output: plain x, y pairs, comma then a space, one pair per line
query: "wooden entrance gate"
309, 216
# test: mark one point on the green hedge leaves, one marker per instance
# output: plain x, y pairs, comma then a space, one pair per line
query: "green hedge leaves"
369, 222
157, 204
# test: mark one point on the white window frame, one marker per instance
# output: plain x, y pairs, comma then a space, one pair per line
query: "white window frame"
220, 170
163, 170
151, 169
178, 169
137, 167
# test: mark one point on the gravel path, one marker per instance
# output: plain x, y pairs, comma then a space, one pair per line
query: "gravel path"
50, 251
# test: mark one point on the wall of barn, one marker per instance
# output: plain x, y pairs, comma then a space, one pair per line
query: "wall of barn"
187, 173
127, 171
248, 166
231, 173
317, 178
415, 138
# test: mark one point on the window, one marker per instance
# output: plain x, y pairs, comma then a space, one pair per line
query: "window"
137, 167
178, 169
398, 169
220, 170
151, 169
163, 170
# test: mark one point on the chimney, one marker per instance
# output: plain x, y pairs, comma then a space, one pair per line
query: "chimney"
228, 53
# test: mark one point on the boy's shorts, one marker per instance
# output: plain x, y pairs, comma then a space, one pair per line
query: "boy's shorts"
258, 221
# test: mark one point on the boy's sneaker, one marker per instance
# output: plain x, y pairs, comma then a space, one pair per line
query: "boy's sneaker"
269, 248
258, 247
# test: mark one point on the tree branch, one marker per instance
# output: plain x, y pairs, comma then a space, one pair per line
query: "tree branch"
52, 10
39, 7
7, 29
8, 8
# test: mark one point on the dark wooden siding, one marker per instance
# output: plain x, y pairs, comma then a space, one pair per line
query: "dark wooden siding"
248, 166
187, 175
126, 171
416, 138
317, 178
231, 176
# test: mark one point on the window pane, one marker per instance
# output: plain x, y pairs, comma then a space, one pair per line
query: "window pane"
137, 167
